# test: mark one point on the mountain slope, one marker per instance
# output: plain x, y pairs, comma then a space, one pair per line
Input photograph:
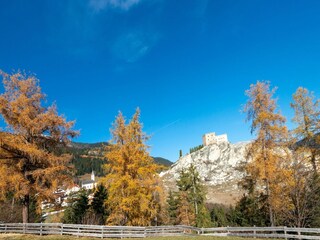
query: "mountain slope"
218, 166
162, 161
89, 157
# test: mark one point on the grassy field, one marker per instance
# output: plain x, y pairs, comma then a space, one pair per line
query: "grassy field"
52, 237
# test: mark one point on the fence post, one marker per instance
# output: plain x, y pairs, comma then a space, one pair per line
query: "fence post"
5, 228
40, 229
254, 231
285, 232
61, 228
228, 232
102, 232
78, 235
145, 232
24, 228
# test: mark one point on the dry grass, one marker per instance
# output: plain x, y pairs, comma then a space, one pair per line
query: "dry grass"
55, 237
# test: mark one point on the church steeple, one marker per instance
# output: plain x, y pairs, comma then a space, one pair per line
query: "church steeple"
92, 176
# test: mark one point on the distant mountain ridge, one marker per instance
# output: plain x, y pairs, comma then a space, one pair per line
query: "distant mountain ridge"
81, 145
162, 161
88, 157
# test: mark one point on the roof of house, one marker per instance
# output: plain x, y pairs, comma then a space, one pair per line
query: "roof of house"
89, 181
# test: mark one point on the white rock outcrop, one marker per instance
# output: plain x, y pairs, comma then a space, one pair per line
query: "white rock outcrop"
218, 166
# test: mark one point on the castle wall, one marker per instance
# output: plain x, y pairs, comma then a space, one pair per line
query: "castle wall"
210, 138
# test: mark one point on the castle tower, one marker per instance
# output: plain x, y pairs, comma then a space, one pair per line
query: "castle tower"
211, 138
208, 138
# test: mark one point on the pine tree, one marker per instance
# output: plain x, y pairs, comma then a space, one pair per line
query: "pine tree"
219, 216
80, 207
252, 210
190, 185
172, 207
29, 166
98, 203
75, 213
268, 151
131, 179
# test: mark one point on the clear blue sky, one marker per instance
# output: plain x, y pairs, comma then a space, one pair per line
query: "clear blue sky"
185, 63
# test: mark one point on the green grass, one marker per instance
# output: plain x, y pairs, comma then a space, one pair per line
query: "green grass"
54, 237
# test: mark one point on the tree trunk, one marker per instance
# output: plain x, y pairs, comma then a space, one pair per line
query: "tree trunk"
25, 209
271, 217
313, 161
195, 196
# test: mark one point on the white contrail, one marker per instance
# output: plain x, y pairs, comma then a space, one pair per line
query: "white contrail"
166, 126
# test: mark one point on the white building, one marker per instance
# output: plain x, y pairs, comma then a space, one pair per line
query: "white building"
72, 189
89, 184
210, 138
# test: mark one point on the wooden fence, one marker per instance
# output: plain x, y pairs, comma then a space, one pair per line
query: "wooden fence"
142, 232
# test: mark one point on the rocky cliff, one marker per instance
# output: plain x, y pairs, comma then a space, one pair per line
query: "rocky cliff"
218, 166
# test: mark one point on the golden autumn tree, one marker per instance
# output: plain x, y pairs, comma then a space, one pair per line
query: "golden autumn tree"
304, 187
185, 211
307, 118
28, 164
267, 152
131, 179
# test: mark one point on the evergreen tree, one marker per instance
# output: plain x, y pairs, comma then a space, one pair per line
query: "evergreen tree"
313, 203
172, 202
81, 206
194, 149
219, 216
98, 203
190, 186
203, 218
74, 214
251, 210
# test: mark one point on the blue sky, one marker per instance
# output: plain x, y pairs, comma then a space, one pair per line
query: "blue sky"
185, 63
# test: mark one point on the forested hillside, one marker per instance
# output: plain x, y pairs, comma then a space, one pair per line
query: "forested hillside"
88, 157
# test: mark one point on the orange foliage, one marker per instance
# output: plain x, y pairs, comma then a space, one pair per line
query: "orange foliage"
28, 164
268, 153
307, 118
132, 182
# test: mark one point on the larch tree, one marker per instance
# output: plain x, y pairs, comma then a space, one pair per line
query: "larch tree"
307, 119
185, 210
305, 187
267, 152
303, 192
29, 166
131, 179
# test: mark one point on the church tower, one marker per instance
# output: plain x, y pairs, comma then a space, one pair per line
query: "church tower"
92, 176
